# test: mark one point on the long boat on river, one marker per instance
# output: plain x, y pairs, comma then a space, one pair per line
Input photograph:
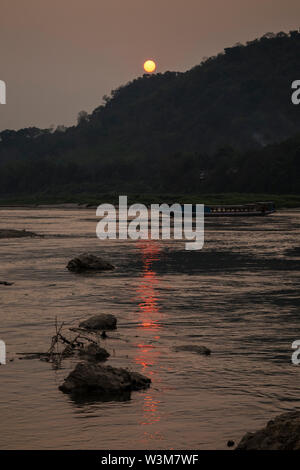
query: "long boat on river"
238, 210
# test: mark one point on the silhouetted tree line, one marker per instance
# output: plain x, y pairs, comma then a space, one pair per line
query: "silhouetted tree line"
215, 128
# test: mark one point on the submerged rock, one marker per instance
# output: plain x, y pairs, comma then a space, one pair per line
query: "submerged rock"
103, 321
282, 433
89, 378
293, 251
193, 348
12, 233
90, 351
94, 352
88, 262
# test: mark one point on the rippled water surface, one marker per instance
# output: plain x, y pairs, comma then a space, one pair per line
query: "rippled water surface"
239, 296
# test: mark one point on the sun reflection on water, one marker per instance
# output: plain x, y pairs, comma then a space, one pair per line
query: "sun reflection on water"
149, 320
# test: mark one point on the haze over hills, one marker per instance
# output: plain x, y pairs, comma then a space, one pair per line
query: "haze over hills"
216, 127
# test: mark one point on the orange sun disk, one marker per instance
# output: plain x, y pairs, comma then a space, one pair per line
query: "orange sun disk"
149, 66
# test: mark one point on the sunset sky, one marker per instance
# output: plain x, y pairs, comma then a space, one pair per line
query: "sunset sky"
61, 56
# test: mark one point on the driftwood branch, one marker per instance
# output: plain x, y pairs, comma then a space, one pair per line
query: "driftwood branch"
61, 346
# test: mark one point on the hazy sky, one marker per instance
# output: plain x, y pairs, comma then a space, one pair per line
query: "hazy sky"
59, 57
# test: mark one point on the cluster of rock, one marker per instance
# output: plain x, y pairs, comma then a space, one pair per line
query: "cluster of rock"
90, 377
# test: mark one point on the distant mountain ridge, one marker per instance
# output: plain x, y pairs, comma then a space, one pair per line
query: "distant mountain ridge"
190, 123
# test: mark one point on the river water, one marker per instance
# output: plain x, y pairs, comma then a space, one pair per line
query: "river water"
239, 296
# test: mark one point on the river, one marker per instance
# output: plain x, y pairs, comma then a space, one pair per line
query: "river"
239, 296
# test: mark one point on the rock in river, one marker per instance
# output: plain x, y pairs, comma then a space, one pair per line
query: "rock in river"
12, 233
193, 348
100, 322
88, 262
90, 378
282, 433
94, 352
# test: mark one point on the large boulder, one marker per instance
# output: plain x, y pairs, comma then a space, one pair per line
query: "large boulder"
90, 378
193, 348
282, 433
103, 321
88, 262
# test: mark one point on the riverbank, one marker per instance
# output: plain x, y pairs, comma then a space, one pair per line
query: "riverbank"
83, 201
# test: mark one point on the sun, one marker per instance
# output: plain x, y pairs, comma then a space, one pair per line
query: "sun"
149, 66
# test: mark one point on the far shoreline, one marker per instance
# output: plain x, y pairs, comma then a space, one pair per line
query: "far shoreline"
92, 201
93, 208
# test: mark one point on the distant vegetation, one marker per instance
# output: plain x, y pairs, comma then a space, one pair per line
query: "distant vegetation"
227, 125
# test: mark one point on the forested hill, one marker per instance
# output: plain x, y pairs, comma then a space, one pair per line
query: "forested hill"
192, 123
